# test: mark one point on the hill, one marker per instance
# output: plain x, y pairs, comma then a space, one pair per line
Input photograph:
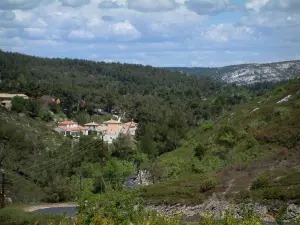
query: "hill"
246, 74
249, 154
153, 97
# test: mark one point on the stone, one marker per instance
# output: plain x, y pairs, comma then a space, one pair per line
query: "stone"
292, 213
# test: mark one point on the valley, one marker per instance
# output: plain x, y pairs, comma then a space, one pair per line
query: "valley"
202, 146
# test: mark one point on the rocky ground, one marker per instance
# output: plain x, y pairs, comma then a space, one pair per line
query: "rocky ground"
218, 208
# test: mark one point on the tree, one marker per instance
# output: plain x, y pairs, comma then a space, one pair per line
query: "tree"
200, 151
33, 108
45, 115
147, 144
123, 147
18, 104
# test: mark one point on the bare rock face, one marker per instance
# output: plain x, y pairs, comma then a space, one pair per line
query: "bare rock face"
292, 213
144, 178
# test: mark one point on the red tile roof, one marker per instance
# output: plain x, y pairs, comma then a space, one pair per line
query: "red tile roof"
78, 128
112, 122
67, 123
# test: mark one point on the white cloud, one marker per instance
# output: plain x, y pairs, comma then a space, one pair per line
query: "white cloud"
126, 30
228, 32
152, 6
256, 5
274, 5
109, 4
74, 3
208, 7
35, 32
20, 4
81, 35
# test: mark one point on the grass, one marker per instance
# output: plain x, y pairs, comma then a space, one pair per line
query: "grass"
15, 215
187, 190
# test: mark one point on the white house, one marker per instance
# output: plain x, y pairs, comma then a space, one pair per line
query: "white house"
71, 128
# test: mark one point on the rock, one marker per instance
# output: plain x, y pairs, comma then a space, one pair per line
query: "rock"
292, 213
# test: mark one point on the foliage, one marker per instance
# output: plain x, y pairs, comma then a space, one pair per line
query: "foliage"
119, 206
116, 171
260, 182
123, 147
18, 104
16, 216
199, 151
208, 184
227, 136
33, 108
45, 115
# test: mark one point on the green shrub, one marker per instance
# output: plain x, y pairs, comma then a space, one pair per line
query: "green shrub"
206, 125
227, 136
15, 216
200, 151
273, 193
18, 104
55, 108
283, 113
254, 124
208, 184
45, 115
260, 182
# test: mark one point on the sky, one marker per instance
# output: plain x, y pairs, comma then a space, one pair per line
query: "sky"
206, 33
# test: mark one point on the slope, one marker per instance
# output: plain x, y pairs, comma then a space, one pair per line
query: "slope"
250, 153
246, 74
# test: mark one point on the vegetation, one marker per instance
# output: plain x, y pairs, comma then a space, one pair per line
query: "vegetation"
196, 137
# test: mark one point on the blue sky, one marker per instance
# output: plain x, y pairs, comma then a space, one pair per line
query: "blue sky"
154, 32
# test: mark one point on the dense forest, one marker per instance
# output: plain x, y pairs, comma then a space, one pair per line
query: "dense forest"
156, 98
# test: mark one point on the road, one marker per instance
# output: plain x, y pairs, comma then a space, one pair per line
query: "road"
68, 210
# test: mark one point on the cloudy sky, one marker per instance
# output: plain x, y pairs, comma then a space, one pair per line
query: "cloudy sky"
154, 32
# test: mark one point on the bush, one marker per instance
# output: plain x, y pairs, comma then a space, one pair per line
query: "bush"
18, 104
208, 184
15, 216
119, 206
45, 115
227, 136
260, 182
33, 108
206, 125
283, 113
55, 108
199, 151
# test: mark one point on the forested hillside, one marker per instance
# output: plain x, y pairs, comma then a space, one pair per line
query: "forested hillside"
155, 98
249, 154
196, 137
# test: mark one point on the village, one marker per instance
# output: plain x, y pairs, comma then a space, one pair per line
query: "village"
107, 130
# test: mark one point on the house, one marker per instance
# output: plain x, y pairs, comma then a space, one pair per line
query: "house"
92, 126
71, 128
5, 99
111, 129
129, 128
116, 124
